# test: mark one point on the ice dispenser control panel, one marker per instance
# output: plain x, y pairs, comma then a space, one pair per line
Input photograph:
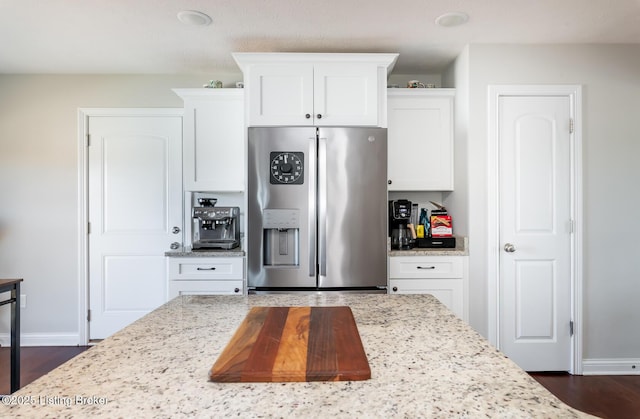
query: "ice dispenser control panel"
281, 218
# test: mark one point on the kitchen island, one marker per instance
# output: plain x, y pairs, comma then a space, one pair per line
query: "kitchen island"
425, 362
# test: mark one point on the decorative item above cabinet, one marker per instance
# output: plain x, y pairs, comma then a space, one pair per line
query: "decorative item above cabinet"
420, 139
302, 89
213, 139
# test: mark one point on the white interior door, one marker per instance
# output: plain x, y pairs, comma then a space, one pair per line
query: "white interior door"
135, 201
535, 231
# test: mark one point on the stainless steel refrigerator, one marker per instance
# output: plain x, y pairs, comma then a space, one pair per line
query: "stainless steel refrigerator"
317, 209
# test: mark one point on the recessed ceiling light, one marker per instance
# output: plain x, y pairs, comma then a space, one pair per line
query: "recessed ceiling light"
194, 18
452, 19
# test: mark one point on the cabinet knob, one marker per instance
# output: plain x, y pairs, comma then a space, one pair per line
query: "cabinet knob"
175, 230
389, 182
307, 116
174, 245
236, 290
319, 116
509, 248
395, 289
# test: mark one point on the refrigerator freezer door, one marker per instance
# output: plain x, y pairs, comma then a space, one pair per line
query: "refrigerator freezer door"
352, 207
281, 207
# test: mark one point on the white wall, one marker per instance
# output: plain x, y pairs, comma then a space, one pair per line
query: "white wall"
402, 79
610, 76
39, 185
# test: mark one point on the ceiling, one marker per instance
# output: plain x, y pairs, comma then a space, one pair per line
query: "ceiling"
145, 36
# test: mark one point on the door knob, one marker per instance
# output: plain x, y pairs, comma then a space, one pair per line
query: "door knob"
509, 248
174, 245
175, 230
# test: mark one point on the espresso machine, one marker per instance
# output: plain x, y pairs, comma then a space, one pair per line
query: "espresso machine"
215, 227
399, 218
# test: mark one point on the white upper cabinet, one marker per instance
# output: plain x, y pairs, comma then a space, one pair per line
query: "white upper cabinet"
280, 94
213, 143
290, 89
420, 139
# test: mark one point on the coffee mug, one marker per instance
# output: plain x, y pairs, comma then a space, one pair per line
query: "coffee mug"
413, 84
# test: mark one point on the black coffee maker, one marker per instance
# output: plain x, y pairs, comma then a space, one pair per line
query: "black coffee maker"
399, 217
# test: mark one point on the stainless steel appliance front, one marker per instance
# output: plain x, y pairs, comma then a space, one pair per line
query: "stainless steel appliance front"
317, 208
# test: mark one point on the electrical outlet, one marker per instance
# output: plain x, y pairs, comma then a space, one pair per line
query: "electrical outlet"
23, 300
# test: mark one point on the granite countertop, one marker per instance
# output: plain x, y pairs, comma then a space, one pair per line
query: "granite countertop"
461, 249
425, 362
187, 252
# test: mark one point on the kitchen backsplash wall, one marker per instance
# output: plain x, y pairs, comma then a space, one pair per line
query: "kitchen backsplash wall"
421, 198
225, 199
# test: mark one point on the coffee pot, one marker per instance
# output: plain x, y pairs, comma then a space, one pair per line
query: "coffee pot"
399, 216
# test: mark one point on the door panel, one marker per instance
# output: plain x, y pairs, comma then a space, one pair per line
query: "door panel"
126, 278
135, 199
535, 220
535, 284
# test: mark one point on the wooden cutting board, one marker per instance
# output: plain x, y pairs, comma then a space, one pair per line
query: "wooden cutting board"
294, 344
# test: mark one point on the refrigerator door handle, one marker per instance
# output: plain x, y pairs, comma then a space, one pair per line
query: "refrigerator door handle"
322, 205
312, 172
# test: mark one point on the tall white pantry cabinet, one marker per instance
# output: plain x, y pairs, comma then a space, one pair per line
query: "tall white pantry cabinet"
420, 158
213, 153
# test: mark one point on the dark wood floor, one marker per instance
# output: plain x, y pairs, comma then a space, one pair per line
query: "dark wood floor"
608, 396
35, 362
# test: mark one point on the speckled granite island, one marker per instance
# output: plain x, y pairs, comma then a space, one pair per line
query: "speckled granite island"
425, 362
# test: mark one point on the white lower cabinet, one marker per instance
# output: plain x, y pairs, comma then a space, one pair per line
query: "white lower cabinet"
204, 275
444, 277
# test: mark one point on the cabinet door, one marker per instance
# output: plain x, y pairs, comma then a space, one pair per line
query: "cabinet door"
214, 141
280, 94
420, 135
448, 291
345, 94
205, 275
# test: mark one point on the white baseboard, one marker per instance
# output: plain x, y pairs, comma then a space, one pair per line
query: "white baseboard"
42, 339
611, 366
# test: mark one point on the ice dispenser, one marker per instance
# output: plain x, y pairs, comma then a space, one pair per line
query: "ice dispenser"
281, 229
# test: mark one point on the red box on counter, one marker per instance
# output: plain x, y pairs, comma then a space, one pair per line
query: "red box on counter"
441, 226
